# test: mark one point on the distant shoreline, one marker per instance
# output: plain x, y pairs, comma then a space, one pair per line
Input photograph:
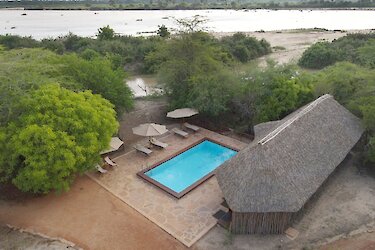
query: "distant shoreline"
72, 7
145, 23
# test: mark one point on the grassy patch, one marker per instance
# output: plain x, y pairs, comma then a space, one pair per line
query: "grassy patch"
308, 30
278, 48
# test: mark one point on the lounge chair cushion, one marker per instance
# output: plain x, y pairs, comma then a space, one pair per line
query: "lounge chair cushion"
110, 162
192, 127
180, 132
160, 144
143, 149
100, 169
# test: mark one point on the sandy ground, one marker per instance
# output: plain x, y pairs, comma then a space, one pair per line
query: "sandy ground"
14, 239
365, 241
346, 204
295, 42
89, 216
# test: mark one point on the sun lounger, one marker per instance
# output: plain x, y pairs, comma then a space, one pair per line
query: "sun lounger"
160, 144
143, 149
110, 162
192, 127
180, 132
100, 169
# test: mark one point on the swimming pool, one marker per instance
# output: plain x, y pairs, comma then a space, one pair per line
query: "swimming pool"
185, 171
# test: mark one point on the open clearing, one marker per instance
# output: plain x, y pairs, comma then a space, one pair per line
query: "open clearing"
89, 216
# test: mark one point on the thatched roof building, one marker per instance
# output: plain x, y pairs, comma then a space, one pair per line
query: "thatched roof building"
270, 180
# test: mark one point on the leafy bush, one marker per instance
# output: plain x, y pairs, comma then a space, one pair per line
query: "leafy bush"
163, 31
106, 33
97, 75
193, 73
24, 70
14, 41
271, 94
58, 133
345, 81
346, 48
366, 54
318, 56
245, 48
354, 87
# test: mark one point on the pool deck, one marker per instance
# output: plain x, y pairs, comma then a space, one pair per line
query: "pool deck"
187, 219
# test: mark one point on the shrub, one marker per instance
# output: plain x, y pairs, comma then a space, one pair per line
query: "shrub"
58, 133
318, 56
347, 48
245, 48
14, 41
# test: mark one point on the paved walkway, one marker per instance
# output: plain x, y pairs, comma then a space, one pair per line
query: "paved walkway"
188, 218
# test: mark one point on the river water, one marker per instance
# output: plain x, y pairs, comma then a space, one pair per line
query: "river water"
43, 24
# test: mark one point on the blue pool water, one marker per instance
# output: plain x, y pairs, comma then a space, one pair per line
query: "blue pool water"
188, 167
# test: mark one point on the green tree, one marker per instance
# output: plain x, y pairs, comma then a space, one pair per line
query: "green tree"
58, 133
192, 25
318, 56
97, 75
245, 48
354, 87
163, 31
364, 107
24, 70
345, 81
192, 71
347, 48
274, 92
14, 41
211, 94
366, 54
106, 33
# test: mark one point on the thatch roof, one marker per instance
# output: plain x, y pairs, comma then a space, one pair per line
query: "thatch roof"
285, 165
262, 129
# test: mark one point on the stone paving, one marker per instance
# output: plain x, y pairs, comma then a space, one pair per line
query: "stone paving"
188, 218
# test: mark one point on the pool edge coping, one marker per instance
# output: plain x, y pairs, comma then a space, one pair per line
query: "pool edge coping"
194, 185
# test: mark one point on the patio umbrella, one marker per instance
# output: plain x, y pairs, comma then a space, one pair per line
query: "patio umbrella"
182, 113
114, 145
150, 129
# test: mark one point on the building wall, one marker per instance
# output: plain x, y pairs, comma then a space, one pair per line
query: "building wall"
260, 223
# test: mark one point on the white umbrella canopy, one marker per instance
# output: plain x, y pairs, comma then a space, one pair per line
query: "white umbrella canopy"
150, 129
114, 145
181, 113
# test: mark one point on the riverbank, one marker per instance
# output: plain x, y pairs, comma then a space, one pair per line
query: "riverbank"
88, 5
289, 45
145, 22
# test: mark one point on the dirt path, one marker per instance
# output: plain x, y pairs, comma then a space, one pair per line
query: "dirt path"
365, 241
90, 217
345, 204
